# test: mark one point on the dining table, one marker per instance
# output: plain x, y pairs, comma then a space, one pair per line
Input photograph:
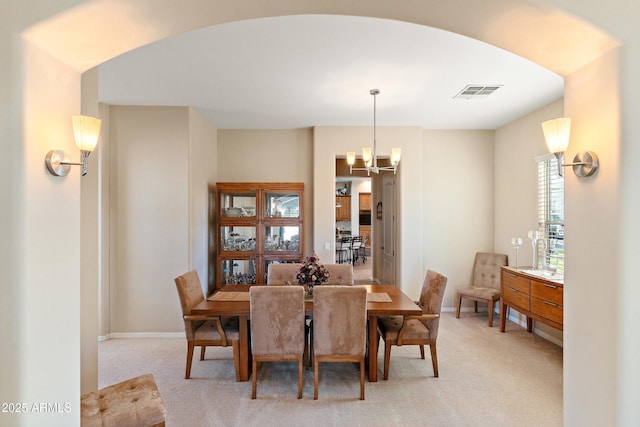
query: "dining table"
233, 301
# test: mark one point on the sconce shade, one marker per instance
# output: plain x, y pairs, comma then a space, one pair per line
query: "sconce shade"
351, 158
86, 130
366, 155
556, 134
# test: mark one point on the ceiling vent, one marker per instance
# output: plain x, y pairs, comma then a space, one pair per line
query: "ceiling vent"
476, 91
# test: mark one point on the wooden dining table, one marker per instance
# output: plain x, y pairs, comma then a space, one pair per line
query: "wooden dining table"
233, 301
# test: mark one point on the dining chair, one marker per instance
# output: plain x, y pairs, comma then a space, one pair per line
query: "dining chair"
344, 250
485, 286
339, 328
356, 244
416, 330
204, 331
277, 328
281, 273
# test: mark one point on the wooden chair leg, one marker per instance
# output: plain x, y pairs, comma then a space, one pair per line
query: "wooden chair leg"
315, 378
475, 306
202, 349
421, 351
300, 377
190, 346
490, 307
458, 308
254, 378
434, 358
362, 378
387, 356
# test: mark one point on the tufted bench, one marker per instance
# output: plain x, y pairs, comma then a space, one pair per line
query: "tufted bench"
132, 403
339, 274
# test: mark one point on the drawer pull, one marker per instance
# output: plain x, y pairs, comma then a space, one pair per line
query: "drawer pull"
512, 275
550, 286
550, 303
512, 289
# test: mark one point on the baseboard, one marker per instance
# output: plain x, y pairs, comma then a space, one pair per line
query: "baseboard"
125, 335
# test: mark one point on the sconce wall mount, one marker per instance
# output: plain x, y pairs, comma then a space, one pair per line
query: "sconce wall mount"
86, 130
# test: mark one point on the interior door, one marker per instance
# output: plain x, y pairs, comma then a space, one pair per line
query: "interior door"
388, 229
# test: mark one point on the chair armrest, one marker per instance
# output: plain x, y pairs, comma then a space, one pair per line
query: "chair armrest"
215, 319
425, 316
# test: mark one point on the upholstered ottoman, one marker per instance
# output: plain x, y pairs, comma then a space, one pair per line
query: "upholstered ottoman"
132, 403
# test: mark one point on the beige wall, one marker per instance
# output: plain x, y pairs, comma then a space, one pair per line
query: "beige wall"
272, 155
151, 185
458, 204
41, 275
516, 200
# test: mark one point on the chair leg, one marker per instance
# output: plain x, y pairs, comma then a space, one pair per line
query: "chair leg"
202, 349
315, 378
299, 376
434, 358
190, 346
490, 308
387, 357
458, 308
475, 306
254, 378
362, 378
421, 351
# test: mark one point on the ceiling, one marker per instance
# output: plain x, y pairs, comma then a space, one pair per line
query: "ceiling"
317, 70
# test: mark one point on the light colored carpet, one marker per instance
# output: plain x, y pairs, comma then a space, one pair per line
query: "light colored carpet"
486, 379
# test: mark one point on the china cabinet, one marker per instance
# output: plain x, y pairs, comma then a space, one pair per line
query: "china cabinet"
253, 225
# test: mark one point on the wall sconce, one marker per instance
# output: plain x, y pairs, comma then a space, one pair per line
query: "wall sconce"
86, 130
556, 134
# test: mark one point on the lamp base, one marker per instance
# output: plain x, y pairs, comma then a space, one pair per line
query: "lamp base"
585, 163
55, 161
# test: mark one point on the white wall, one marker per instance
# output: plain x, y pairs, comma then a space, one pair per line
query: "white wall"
458, 204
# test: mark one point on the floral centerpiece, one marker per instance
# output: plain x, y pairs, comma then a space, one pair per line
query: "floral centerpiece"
312, 273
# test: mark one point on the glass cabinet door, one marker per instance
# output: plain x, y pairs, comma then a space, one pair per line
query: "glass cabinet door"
282, 238
238, 238
236, 271
281, 205
237, 205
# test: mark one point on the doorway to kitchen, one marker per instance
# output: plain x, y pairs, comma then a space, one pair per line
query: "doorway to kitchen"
353, 225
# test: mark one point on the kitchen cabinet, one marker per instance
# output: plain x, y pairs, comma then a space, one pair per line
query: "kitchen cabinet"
343, 208
536, 297
364, 200
251, 226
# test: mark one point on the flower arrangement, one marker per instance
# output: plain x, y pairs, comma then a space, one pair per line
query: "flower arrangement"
312, 273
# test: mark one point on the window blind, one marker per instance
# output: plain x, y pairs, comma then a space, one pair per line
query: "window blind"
551, 213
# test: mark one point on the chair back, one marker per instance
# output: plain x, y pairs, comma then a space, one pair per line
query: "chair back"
356, 242
278, 274
486, 269
340, 274
189, 291
345, 243
431, 298
339, 320
277, 320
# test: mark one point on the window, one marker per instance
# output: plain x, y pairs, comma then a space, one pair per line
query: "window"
551, 213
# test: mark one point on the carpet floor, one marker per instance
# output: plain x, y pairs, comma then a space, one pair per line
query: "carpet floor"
487, 378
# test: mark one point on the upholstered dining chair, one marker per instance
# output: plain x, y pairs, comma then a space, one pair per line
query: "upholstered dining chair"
416, 330
485, 286
339, 328
277, 328
204, 331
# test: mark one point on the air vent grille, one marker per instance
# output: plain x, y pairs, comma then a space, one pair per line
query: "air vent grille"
476, 91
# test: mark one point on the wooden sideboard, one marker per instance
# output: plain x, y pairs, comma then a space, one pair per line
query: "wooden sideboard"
536, 297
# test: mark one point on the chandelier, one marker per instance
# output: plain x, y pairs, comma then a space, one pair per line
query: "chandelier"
370, 156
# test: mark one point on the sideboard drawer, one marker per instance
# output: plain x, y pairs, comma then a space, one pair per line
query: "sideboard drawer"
547, 292
518, 283
547, 309
515, 297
